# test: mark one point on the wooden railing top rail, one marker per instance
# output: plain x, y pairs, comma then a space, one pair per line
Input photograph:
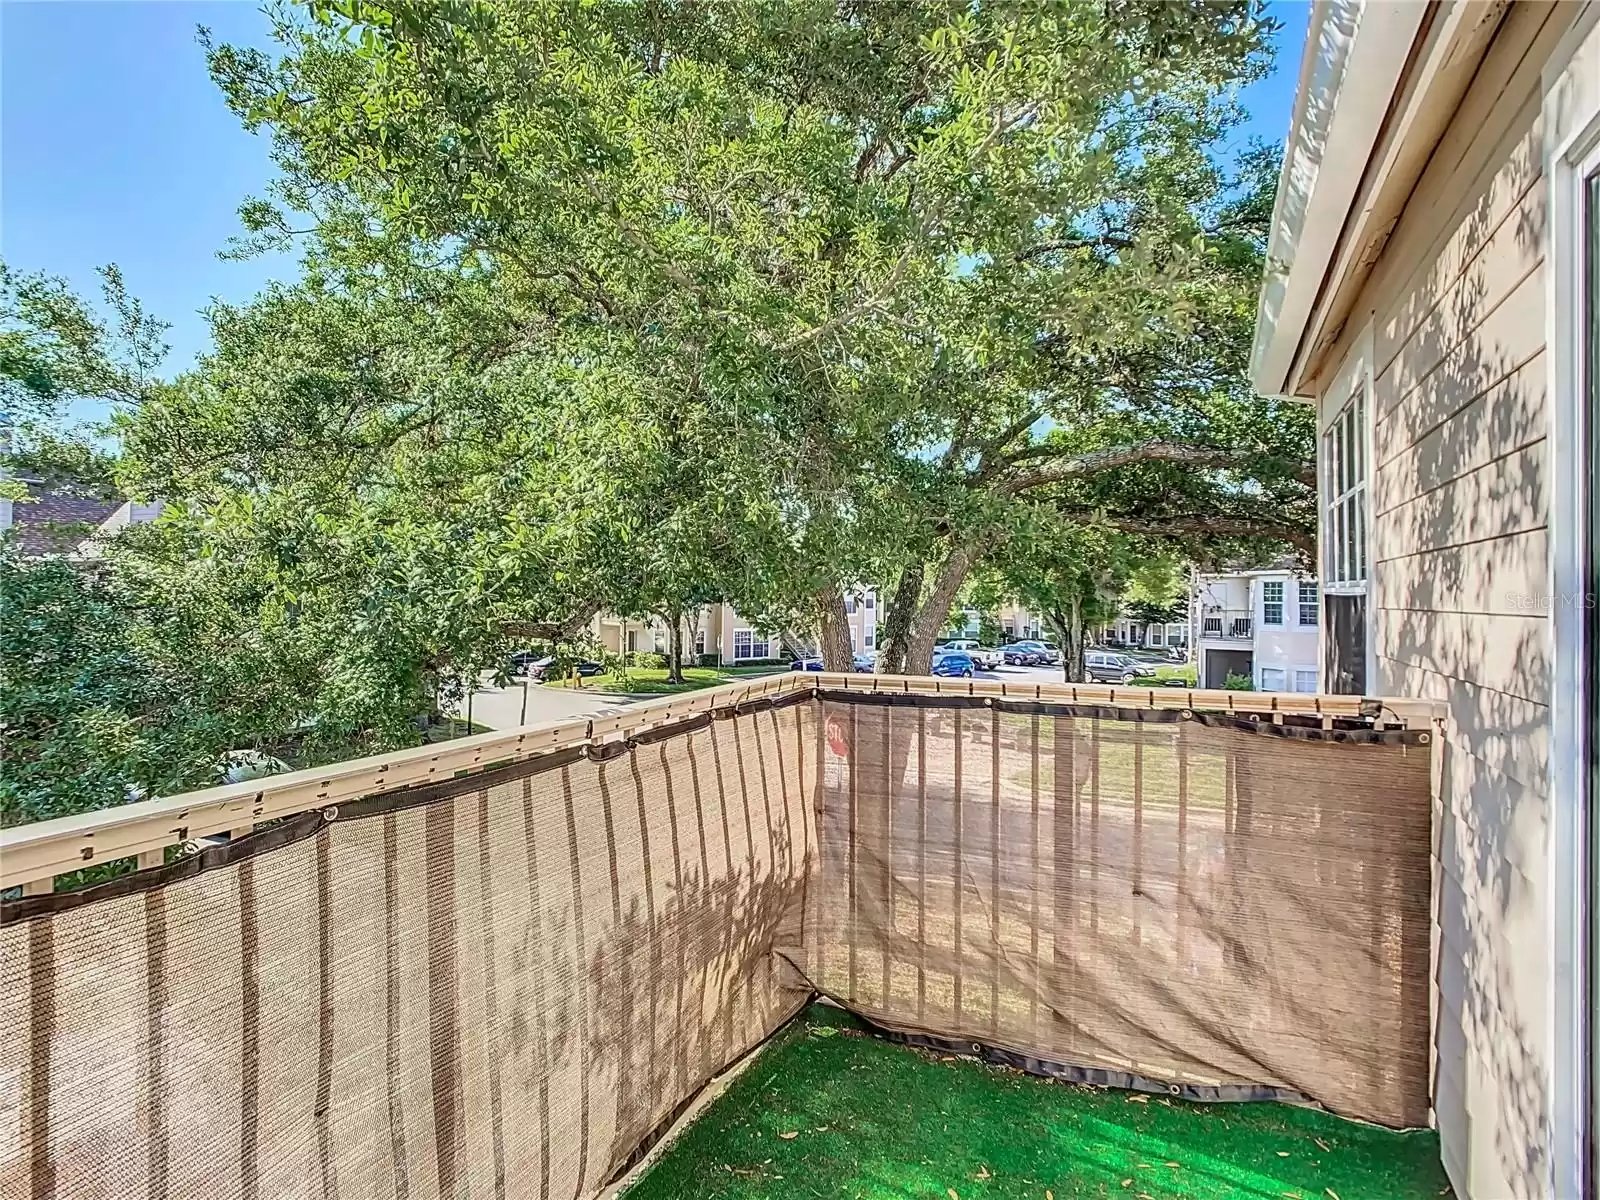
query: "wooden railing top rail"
32, 855
1405, 712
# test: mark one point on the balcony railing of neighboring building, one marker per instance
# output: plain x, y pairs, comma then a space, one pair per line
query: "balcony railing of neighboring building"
519, 954
1231, 624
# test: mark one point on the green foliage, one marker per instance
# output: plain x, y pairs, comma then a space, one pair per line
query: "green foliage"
787, 251
94, 709
1238, 683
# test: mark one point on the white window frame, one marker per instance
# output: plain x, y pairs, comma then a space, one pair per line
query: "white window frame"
1301, 601
752, 646
1345, 497
1261, 679
1571, 117
1298, 675
1282, 602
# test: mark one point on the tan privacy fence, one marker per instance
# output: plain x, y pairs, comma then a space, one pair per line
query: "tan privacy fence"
1229, 907
506, 983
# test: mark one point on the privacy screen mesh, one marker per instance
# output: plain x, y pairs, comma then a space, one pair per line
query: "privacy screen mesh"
507, 984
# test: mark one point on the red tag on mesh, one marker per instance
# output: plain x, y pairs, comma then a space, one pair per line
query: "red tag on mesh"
838, 739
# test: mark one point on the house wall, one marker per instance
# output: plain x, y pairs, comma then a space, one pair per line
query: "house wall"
1450, 330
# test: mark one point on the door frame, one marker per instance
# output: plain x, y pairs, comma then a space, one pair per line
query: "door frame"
1571, 112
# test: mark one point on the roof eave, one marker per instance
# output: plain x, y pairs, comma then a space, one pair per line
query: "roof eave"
1366, 43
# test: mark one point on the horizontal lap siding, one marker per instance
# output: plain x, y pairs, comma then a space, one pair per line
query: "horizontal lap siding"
1459, 545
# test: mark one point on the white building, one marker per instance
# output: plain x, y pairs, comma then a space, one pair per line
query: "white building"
719, 629
1261, 624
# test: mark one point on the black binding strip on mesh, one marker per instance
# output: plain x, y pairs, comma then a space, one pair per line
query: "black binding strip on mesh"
210, 858
662, 733
1097, 1076
303, 825
1300, 726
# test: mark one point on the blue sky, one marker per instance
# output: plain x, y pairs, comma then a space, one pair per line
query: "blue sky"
115, 146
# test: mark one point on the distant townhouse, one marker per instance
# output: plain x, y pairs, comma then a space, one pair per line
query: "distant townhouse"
720, 631
1259, 624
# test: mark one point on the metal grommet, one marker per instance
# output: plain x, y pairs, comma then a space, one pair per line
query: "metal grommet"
330, 813
988, 701
1174, 1089
1423, 739
1187, 714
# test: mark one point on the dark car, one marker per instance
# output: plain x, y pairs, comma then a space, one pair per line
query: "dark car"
543, 668
1108, 667
955, 663
806, 664
1031, 654
522, 661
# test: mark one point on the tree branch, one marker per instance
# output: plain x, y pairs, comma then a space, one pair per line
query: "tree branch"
1096, 461
1105, 241
1205, 525
841, 319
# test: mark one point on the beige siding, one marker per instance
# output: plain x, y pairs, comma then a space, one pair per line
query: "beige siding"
1459, 544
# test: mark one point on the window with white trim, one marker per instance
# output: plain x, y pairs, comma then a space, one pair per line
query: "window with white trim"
872, 601
849, 602
869, 639
1306, 599
1305, 681
746, 645
1272, 602
1344, 475
1273, 679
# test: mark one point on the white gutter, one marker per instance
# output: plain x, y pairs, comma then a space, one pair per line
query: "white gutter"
1364, 44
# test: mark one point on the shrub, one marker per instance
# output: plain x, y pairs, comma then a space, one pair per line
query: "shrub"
1237, 683
648, 661
706, 660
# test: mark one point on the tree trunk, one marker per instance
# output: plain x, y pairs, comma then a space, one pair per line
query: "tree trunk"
931, 616
691, 633
901, 608
1068, 628
675, 648
837, 654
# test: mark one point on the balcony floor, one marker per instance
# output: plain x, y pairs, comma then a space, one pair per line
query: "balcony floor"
827, 1110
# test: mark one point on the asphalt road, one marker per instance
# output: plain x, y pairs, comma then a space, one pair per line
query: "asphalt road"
501, 708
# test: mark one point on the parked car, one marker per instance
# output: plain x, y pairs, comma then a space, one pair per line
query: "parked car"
865, 663
1107, 667
806, 664
955, 663
521, 661
984, 656
544, 668
1031, 653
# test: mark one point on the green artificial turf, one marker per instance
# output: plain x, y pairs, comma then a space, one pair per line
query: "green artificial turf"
828, 1110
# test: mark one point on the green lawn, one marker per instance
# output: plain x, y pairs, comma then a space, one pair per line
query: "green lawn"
653, 680
827, 1110
1184, 671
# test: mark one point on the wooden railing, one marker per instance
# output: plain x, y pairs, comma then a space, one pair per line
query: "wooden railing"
32, 856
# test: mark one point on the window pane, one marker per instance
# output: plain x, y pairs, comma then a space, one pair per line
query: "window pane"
1359, 516
1272, 679
1360, 426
